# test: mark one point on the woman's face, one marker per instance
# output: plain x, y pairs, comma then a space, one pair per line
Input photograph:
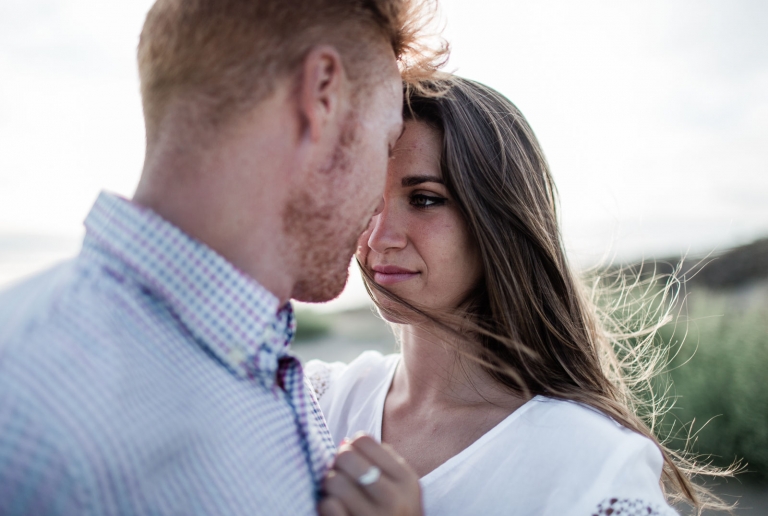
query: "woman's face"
419, 247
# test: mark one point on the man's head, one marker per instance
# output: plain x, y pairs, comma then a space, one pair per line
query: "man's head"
276, 113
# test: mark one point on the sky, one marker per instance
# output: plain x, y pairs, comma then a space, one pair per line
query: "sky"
653, 115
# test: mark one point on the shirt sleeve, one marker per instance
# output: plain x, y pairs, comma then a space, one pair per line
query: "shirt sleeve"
322, 374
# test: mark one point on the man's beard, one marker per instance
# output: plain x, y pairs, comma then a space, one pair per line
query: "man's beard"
324, 234
325, 244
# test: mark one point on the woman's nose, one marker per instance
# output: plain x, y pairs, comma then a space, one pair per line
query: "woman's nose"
387, 231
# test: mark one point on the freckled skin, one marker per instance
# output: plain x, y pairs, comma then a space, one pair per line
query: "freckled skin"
421, 228
436, 406
326, 217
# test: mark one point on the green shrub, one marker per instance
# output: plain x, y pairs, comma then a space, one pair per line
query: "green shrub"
311, 325
719, 377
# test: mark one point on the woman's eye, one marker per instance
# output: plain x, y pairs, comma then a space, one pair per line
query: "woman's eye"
426, 201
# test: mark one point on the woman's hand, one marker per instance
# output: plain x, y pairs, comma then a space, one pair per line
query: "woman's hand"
370, 479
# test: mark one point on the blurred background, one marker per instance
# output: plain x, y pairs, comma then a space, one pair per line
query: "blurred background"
654, 116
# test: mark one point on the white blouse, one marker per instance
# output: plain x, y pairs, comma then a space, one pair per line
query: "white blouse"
549, 457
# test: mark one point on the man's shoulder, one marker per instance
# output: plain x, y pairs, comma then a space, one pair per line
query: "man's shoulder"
43, 341
36, 383
28, 303
45, 300
67, 334
42, 470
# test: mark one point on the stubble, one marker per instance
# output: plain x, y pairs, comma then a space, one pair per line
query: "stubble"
324, 231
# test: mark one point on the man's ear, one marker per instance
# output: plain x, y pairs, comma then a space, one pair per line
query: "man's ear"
321, 91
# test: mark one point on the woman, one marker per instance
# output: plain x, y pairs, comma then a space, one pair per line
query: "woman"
507, 397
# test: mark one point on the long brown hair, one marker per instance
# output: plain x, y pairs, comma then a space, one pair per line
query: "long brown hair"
531, 323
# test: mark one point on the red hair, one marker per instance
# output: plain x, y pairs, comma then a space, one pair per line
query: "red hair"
226, 55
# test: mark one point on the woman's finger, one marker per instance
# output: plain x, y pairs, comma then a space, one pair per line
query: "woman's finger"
339, 485
330, 506
384, 457
352, 463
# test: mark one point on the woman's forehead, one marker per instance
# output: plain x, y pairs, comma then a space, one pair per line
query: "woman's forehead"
417, 152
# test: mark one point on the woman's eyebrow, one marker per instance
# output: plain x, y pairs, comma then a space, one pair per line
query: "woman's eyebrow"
417, 180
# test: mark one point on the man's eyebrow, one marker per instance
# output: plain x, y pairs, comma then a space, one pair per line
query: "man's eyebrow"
417, 180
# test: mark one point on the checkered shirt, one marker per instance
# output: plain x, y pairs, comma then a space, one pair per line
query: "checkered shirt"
148, 376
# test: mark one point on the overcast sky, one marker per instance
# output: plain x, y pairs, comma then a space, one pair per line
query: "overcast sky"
653, 114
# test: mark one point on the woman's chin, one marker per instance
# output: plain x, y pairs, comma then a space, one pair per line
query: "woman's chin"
393, 318
394, 312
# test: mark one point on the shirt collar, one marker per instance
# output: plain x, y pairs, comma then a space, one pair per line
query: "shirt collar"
229, 313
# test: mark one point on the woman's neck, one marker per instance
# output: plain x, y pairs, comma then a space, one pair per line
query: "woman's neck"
439, 402
433, 372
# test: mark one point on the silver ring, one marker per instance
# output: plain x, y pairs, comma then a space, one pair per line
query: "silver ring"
370, 476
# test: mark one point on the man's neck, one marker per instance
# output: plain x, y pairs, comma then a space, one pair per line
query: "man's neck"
231, 197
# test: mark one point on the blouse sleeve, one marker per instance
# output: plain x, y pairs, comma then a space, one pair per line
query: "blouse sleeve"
628, 484
322, 374
611, 469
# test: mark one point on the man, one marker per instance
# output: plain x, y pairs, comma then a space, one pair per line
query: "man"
151, 374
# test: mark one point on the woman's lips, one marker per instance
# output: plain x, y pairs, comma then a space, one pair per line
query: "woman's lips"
389, 274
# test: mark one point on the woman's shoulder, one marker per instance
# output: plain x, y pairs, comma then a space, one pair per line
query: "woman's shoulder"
578, 420
353, 396
611, 462
321, 374
580, 432
369, 366
372, 363
553, 457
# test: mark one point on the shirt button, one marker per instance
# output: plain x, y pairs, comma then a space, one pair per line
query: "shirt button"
236, 356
